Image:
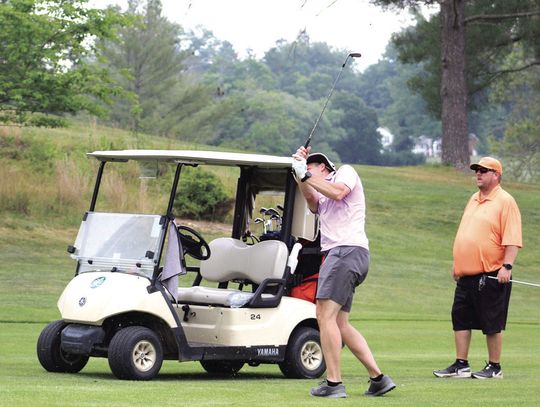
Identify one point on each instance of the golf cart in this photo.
(125, 302)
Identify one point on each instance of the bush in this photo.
(201, 195)
(42, 120)
(402, 158)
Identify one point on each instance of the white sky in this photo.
(352, 25)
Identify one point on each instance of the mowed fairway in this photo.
(402, 309)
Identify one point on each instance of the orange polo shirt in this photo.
(487, 226)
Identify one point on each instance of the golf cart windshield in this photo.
(118, 242)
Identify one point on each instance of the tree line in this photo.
(138, 70)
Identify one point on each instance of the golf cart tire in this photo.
(135, 353)
(222, 367)
(304, 357)
(50, 354)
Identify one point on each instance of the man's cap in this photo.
(321, 159)
(488, 162)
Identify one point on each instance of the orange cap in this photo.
(490, 163)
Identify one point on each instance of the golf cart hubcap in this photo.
(144, 356)
(311, 355)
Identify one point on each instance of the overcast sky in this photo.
(352, 25)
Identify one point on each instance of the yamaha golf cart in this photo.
(127, 301)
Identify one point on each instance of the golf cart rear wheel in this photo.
(304, 356)
(222, 367)
(50, 353)
(135, 353)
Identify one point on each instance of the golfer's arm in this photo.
(336, 191)
(510, 254)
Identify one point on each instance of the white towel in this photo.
(174, 265)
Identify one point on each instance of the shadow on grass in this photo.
(166, 377)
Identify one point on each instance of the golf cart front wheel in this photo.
(135, 353)
(222, 367)
(50, 353)
(304, 356)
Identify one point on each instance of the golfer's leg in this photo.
(463, 342)
(357, 344)
(327, 311)
(494, 345)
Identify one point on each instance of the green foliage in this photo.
(361, 143)
(486, 46)
(41, 120)
(402, 158)
(146, 59)
(44, 49)
(519, 143)
(201, 196)
(521, 148)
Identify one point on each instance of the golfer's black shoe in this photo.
(456, 370)
(489, 372)
(324, 390)
(381, 387)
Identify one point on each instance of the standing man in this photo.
(486, 244)
(338, 198)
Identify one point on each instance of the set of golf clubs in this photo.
(271, 219)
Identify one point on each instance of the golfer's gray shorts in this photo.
(343, 269)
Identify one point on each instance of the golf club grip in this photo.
(306, 144)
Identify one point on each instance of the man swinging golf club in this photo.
(338, 198)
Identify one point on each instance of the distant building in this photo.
(433, 147)
(473, 140)
(387, 138)
(424, 145)
(427, 146)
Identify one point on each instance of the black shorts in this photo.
(480, 305)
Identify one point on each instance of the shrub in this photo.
(41, 120)
(396, 159)
(201, 195)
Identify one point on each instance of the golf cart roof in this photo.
(195, 157)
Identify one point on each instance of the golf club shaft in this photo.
(351, 55)
(518, 282)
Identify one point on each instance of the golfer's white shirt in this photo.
(343, 222)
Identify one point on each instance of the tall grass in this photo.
(15, 191)
(72, 184)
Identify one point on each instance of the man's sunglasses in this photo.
(483, 170)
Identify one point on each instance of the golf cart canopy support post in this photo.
(96, 186)
(242, 191)
(169, 219)
(288, 205)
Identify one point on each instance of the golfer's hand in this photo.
(302, 152)
(299, 166)
(504, 275)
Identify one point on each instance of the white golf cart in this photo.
(125, 303)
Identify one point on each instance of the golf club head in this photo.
(271, 212)
(355, 55)
(263, 211)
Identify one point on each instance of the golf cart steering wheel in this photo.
(193, 243)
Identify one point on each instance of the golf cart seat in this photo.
(262, 264)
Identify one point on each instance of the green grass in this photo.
(402, 308)
(407, 350)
